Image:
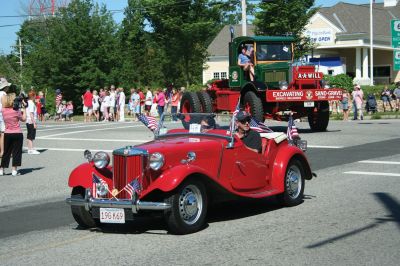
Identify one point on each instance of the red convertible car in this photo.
(182, 171)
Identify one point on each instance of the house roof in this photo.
(219, 46)
(350, 18)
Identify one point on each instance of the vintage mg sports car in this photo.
(188, 166)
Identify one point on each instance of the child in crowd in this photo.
(68, 112)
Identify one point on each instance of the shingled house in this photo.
(342, 37)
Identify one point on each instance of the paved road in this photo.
(350, 215)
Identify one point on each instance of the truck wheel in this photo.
(190, 103)
(205, 100)
(80, 214)
(294, 184)
(319, 121)
(253, 105)
(188, 208)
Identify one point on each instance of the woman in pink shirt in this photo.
(160, 97)
(13, 137)
(358, 98)
(174, 104)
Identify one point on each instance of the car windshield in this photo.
(194, 123)
(274, 52)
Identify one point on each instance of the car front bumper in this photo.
(133, 204)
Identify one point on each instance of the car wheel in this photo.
(253, 105)
(294, 184)
(190, 103)
(188, 208)
(319, 121)
(205, 100)
(80, 214)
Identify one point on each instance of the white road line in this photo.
(97, 140)
(325, 147)
(379, 162)
(68, 126)
(64, 149)
(90, 130)
(370, 173)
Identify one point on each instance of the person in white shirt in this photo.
(113, 96)
(106, 106)
(148, 102)
(31, 119)
(121, 105)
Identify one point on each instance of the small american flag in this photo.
(58, 99)
(259, 126)
(132, 186)
(292, 130)
(148, 121)
(232, 127)
(97, 180)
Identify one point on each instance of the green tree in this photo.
(184, 30)
(281, 17)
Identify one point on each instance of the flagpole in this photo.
(371, 44)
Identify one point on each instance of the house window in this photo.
(216, 75)
(223, 75)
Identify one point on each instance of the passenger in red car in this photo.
(250, 138)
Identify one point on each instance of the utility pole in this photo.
(371, 44)
(20, 60)
(244, 18)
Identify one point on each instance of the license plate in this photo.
(112, 216)
(308, 104)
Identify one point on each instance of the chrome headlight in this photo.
(101, 159)
(101, 189)
(283, 85)
(156, 161)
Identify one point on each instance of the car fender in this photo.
(283, 157)
(173, 177)
(83, 175)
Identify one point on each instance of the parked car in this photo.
(182, 171)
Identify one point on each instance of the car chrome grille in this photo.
(126, 168)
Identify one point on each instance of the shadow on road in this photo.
(388, 202)
(24, 171)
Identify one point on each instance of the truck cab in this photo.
(271, 57)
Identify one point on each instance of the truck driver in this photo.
(244, 61)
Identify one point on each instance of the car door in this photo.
(249, 169)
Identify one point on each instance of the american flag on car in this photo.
(132, 187)
(292, 130)
(96, 181)
(148, 121)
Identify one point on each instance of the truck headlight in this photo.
(101, 159)
(283, 85)
(156, 161)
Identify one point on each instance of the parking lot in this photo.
(350, 214)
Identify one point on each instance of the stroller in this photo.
(371, 105)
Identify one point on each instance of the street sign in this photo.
(396, 60)
(395, 26)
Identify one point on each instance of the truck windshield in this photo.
(274, 52)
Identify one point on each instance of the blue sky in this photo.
(14, 8)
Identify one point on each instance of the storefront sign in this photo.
(395, 26)
(321, 35)
(304, 95)
(396, 60)
(308, 76)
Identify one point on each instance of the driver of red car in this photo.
(250, 138)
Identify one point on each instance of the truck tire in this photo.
(253, 105)
(205, 101)
(190, 103)
(319, 120)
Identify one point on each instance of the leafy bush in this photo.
(340, 81)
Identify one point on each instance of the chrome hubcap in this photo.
(190, 204)
(293, 181)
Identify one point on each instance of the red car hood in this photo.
(208, 150)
